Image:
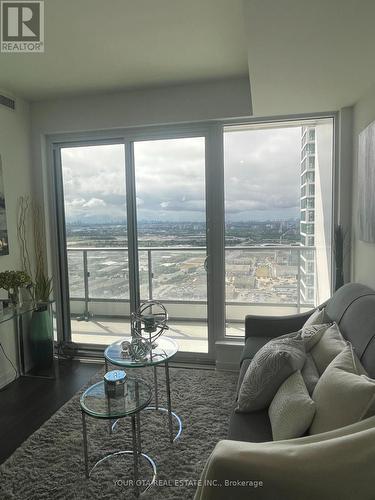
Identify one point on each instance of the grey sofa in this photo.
(352, 307)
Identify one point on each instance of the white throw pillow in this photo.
(344, 394)
(292, 410)
(310, 373)
(316, 318)
(329, 346)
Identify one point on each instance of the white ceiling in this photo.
(300, 55)
(106, 45)
(309, 55)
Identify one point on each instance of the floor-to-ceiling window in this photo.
(142, 219)
(278, 218)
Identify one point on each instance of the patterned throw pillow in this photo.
(271, 365)
(292, 410)
(313, 333)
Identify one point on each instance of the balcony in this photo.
(259, 280)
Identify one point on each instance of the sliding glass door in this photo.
(171, 229)
(133, 228)
(93, 182)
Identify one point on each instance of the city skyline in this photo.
(79, 222)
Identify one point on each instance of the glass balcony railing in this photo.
(266, 276)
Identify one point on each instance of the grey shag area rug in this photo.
(49, 465)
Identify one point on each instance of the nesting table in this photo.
(164, 349)
(97, 404)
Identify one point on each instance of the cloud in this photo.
(184, 205)
(94, 203)
(76, 202)
(262, 177)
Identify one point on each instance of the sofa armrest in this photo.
(336, 464)
(274, 326)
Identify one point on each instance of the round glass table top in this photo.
(97, 403)
(164, 349)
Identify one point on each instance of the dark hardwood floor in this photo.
(27, 403)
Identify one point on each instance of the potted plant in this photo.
(12, 282)
(30, 219)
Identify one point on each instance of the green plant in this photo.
(42, 287)
(11, 280)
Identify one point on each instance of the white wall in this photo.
(16, 159)
(323, 210)
(363, 254)
(175, 104)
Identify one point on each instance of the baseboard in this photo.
(227, 366)
(6, 378)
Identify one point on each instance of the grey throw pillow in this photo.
(271, 365)
(343, 395)
(292, 410)
(329, 346)
(310, 373)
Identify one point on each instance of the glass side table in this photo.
(164, 350)
(97, 404)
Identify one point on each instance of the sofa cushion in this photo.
(353, 308)
(271, 365)
(329, 346)
(310, 373)
(292, 410)
(343, 395)
(358, 326)
(342, 300)
(254, 427)
(252, 346)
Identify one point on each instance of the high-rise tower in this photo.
(307, 261)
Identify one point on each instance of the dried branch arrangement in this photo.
(30, 222)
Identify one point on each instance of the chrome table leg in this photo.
(156, 388)
(85, 444)
(135, 455)
(138, 419)
(169, 401)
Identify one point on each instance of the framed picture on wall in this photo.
(366, 184)
(4, 246)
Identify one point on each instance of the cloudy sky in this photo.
(262, 173)
(261, 178)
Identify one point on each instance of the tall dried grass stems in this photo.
(30, 226)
